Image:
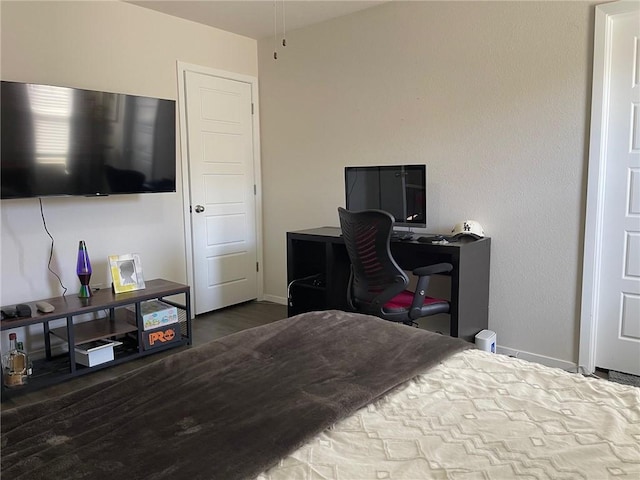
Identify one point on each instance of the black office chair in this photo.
(377, 285)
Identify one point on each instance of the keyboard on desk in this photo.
(432, 238)
(401, 236)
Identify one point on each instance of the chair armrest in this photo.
(424, 275)
(432, 269)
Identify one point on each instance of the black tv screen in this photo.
(58, 141)
(400, 190)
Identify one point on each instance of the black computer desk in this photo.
(318, 273)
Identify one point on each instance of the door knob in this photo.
(199, 209)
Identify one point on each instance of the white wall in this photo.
(111, 46)
(493, 96)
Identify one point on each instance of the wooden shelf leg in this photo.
(47, 340)
(71, 341)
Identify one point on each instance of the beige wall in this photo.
(110, 46)
(493, 96)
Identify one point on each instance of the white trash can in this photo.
(486, 340)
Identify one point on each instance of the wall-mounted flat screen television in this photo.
(60, 141)
(400, 190)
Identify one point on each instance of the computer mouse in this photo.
(44, 307)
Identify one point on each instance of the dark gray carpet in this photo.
(624, 378)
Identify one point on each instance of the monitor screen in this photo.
(400, 190)
(59, 141)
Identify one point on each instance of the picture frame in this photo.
(126, 272)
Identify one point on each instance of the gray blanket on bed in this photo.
(225, 410)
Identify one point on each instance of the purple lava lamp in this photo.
(83, 270)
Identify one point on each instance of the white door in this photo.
(222, 190)
(617, 341)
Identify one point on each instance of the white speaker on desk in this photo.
(486, 340)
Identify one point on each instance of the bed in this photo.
(331, 395)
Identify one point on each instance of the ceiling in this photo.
(255, 18)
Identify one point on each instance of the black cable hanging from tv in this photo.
(44, 223)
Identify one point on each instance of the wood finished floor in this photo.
(206, 327)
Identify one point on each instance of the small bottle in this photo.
(20, 348)
(16, 367)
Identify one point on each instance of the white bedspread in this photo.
(482, 416)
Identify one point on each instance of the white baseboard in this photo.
(275, 299)
(534, 357)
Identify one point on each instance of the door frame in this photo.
(594, 221)
(182, 68)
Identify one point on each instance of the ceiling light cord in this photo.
(284, 26)
(275, 30)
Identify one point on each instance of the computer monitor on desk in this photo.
(400, 190)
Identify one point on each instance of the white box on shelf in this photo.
(154, 314)
(94, 353)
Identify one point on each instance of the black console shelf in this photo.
(58, 368)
